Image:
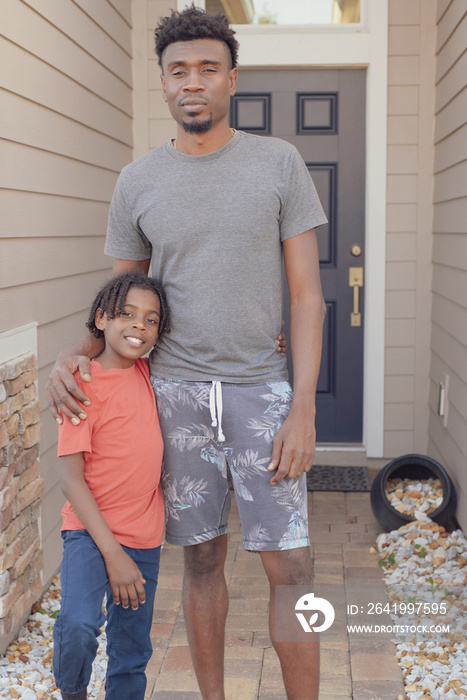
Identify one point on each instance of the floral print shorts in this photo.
(210, 428)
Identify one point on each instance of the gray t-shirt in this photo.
(213, 226)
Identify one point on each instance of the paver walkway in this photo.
(343, 529)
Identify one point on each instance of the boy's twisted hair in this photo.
(194, 23)
(111, 299)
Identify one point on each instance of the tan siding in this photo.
(410, 133)
(115, 24)
(453, 49)
(153, 124)
(67, 132)
(123, 7)
(402, 130)
(399, 416)
(452, 117)
(404, 70)
(400, 304)
(40, 82)
(450, 350)
(448, 438)
(49, 451)
(400, 361)
(450, 184)
(441, 9)
(456, 11)
(401, 246)
(451, 317)
(31, 124)
(42, 171)
(401, 189)
(33, 299)
(400, 333)
(451, 454)
(161, 127)
(457, 388)
(449, 249)
(78, 27)
(402, 218)
(160, 131)
(404, 40)
(399, 389)
(54, 215)
(451, 283)
(451, 83)
(158, 8)
(402, 159)
(50, 45)
(404, 13)
(402, 99)
(450, 218)
(400, 275)
(454, 149)
(398, 442)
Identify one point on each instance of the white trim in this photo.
(18, 341)
(349, 46)
(337, 447)
(183, 4)
(301, 46)
(375, 255)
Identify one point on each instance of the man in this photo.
(215, 209)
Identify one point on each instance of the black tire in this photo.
(412, 467)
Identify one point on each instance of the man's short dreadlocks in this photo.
(111, 299)
(194, 23)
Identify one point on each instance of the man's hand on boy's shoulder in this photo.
(63, 392)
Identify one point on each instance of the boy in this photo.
(113, 519)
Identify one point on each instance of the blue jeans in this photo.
(84, 584)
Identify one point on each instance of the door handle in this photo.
(356, 281)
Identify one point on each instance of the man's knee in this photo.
(289, 567)
(206, 558)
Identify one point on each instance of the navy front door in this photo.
(322, 112)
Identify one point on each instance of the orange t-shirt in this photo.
(122, 444)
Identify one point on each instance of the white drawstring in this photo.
(215, 406)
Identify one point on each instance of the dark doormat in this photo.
(338, 479)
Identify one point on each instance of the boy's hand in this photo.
(126, 580)
(62, 387)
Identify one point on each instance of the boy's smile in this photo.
(133, 333)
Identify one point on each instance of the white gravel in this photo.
(408, 495)
(426, 566)
(26, 668)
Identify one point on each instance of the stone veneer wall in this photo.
(21, 489)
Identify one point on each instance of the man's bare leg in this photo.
(299, 660)
(205, 605)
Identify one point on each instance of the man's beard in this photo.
(197, 127)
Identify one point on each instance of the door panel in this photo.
(322, 112)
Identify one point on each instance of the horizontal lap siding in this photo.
(67, 123)
(449, 316)
(403, 127)
(407, 272)
(161, 125)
